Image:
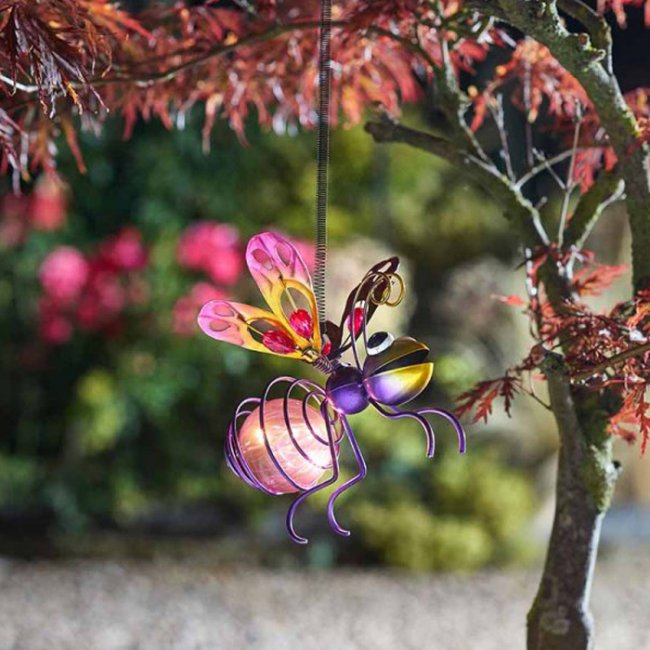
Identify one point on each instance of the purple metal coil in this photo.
(336, 426)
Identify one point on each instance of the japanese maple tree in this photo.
(67, 65)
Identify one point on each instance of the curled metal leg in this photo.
(394, 414)
(321, 486)
(336, 527)
(418, 416)
(453, 420)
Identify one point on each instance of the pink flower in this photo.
(225, 266)
(214, 249)
(102, 302)
(54, 327)
(47, 206)
(109, 292)
(124, 251)
(45, 209)
(63, 274)
(92, 293)
(187, 308)
(191, 248)
(13, 220)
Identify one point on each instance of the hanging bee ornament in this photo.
(288, 441)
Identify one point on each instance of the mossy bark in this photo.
(560, 618)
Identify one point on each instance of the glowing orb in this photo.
(301, 452)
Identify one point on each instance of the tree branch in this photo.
(594, 23)
(545, 164)
(540, 19)
(213, 52)
(454, 103)
(487, 8)
(169, 73)
(611, 362)
(516, 207)
(217, 51)
(608, 188)
(559, 388)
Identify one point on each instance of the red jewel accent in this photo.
(278, 341)
(327, 348)
(357, 318)
(302, 323)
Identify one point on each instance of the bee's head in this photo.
(395, 370)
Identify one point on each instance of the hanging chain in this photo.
(322, 157)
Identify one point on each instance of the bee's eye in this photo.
(379, 342)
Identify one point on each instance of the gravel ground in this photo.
(101, 605)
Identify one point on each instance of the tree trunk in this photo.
(560, 618)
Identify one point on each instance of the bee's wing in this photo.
(246, 326)
(283, 278)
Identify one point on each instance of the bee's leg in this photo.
(394, 414)
(332, 443)
(418, 416)
(349, 483)
(452, 419)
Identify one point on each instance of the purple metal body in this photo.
(346, 391)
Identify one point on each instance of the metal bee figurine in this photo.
(290, 443)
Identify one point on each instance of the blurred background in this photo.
(114, 495)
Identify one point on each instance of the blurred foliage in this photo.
(106, 429)
(408, 535)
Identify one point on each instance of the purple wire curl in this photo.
(334, 525)
(321, 486)
(236, 460)
(234, 457)
(418, 416)
(453, 420)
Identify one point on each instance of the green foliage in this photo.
(485, 489)
(100, 414)
(407, 535)
(19, 476)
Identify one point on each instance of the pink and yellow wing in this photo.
(291, 328)
(283, 278)
(248, 327)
